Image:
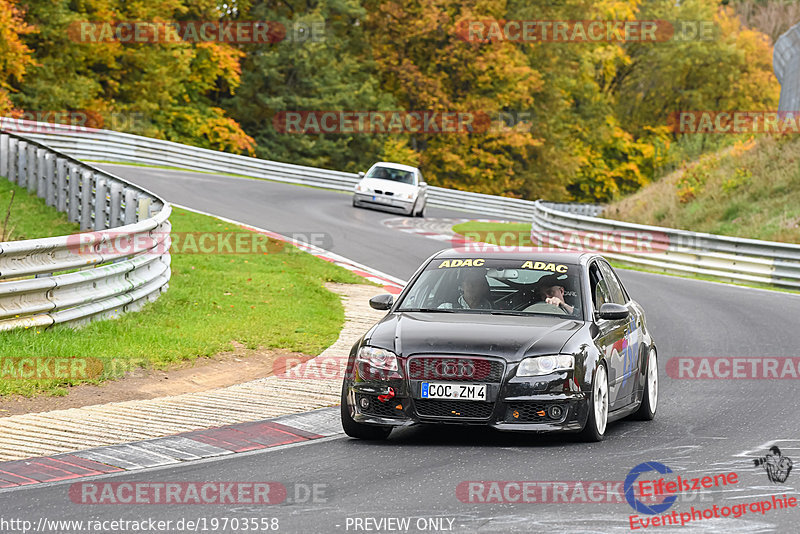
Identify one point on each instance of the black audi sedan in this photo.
(519, 341)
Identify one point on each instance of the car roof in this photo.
(399, 166)
(514, 253)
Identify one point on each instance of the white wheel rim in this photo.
(600, 400)
(652, 380)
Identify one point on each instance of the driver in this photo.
(474, 292)
(555, 295)
(550, 298)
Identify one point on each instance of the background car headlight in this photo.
(544, 365)
(378, 358)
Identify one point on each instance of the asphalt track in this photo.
(702, 426)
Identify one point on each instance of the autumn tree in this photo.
(15, 56)
(427, 64)
(322, 64)
(169, 90)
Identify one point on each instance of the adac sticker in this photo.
(469, 262)
(544, 266)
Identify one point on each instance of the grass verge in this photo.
(275, 300)
(751, 189)
(30, 217)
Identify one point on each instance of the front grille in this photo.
(376, 407)
(531, 412)
(454, 408)
(455, 368)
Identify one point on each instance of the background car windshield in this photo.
(493, 285)
(394, 175)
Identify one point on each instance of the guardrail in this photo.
(105, 145)
(674, 251)
(120, 264)
(677, 251)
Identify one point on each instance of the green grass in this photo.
(30, 216)
(748, 190)
(274, 300)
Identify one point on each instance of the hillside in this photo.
(749, 190)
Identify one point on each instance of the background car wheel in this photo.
(595, 429)
(360, 430)
(647, 409)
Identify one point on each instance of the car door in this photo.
(610, 338)
(633, 352)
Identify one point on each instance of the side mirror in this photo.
(381, 302)
(361, 174)
(613, 312)
(422, 184)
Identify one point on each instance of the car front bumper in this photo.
(383, 201)
(515, 407)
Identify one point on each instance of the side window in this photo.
(615, 290)
(598, 286)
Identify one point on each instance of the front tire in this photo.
(421, 212)
(358, 430)
(647, 409)
(595, 429)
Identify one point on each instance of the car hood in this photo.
(388, 185)
(507, 336)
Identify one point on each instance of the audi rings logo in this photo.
(455, 368)
(430, 368)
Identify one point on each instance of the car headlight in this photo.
(544, 365)
(378, 358)
(362, 188)
(406, 196)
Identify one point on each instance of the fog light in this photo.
(364, 402)
(555, 412)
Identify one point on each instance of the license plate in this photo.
(436, 390)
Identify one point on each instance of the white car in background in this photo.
(392, 186)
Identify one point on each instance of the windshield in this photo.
(479, 285)
(394, 175)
